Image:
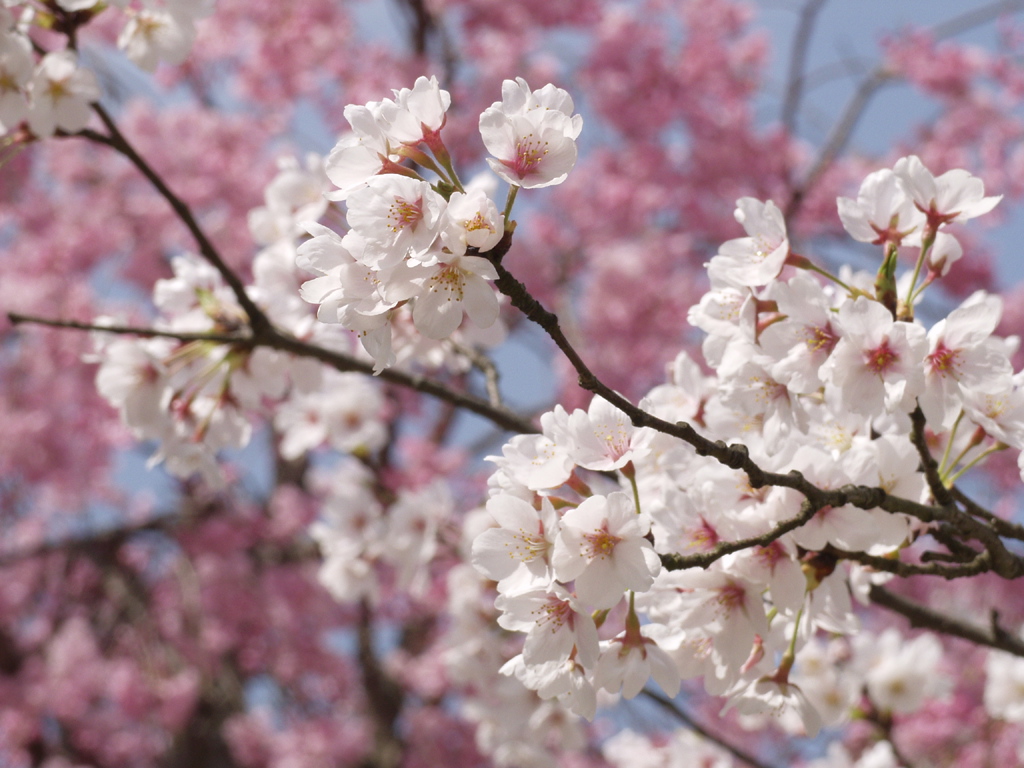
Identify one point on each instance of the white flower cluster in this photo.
(54, 93)
(196, 398)
(356, 532)
(810, 377)
(411, 251)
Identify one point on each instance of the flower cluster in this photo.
(195, 398)
(49, 95)
(54, 93)
(411, 253)
(821, 378)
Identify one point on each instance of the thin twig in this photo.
(17, 318)
(117, 141)
(486, 366)
(982, 563)
(276, 339)
(972, 19)
(673, 708)
(1000, 526)
(840, 136)
(923, 617)
(928, 462)
(997, 557)
(673, 562)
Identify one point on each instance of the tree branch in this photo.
(276, 339)
(16, 318)
(923, 617)
(871, 84)
(996, 557)
(797, 62)
(703, 560)
(116, 141)
(674, 709)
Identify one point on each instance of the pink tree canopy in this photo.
(462, 383)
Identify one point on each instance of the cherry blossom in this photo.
(877, 361)
(532, 136)
(356, 510)
(61, 92)
(883, 212)
(758, 258)
(525, 537)
(955, 195)
(602, 549)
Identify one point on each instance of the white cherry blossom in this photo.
(524, 539)
(601, 546)
(883, 211)
(531, 135)
(556, 626)
(397, 217)
(961, 356)
(955, 195)
(61, 92)
(758, 258)
(632, 658)
(451, 289)
(877, 363)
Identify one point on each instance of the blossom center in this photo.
(478, 222)
(556, 614)
(730, 597)
(529, 153)
(944, 361)
(451, 280)
(881, 358)
(404, 213)
(703, 536)
(601, 543)
(525, 546)
(820, 338)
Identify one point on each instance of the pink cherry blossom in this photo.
(602, 549)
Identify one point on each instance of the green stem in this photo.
(513, 190)
(636, 491)
(786, 664)
(987, 452)
(423, 160)
(926, 245)
(949, 444)
(825, 273)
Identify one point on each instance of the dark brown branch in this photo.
(277, 339)
(385, 698)
(676, 711)
(116, 141)
(996, 557)
(1000, 526)
(923, 617)
(504, 418)
(928, 463)
(263, 331)
(982, 563)
(17, 318)
(705, 559)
